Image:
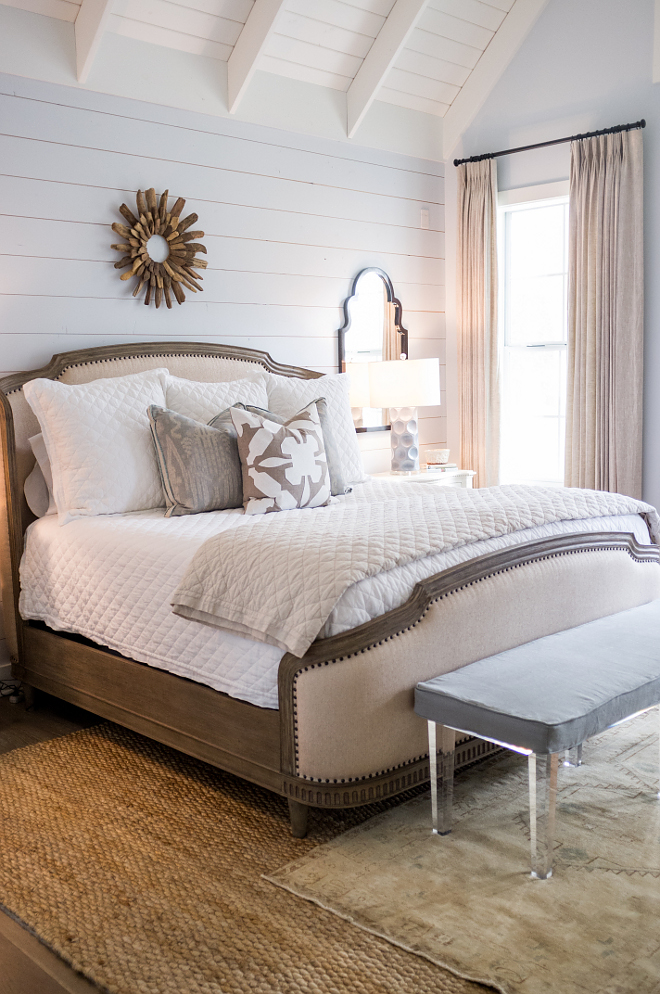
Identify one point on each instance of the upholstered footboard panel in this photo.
(351, 697)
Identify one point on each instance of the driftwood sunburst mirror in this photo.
(160, 250)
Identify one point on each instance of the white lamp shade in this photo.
(404, 383)
(358, 394)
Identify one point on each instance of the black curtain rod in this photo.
(556, 141)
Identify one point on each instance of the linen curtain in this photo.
(605, 315)
(478, 358)
(391, 337)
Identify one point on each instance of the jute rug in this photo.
(143, 870)
(466, 900)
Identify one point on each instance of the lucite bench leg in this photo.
(542, 804)
(573, 757)
(441, 766)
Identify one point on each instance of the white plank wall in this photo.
(289, 221)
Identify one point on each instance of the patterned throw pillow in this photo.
(199, 464)
(332, 450)
(284, 466)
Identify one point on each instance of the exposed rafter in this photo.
(380, 58)
(90, 24)
(505, 43)
(251, 42)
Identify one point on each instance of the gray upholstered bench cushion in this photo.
(556, 692)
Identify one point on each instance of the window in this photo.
(533, 254)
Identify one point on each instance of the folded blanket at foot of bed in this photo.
(277, 578)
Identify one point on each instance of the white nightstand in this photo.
(461, 478)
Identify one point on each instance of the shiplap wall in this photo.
(289, 221)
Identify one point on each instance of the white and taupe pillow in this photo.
(332, 451)
(284, 466)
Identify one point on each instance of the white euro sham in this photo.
(288, 394)
(98, 441)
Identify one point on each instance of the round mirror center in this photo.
(157, 248)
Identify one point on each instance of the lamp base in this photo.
(405, 439)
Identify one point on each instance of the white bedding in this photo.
(111, 579)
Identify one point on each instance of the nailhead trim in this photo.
(389, 638)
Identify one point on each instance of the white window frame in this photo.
(523, 198)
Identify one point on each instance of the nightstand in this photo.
(461, 478)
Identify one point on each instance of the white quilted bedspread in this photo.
(277, 581)
(111, 579)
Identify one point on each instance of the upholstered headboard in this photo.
(193, 360)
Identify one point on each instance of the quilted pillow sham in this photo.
(98, 440)
(287, 394)
(202, 401)
(284, 466)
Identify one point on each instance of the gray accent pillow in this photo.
(332, 454)
(199, 464)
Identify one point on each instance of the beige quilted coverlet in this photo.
(277, 578)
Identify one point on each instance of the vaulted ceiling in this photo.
(417, 54)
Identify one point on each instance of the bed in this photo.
(335, 728)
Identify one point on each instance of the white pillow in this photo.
(203, 401)
(98, 440)
(38, 487)
(288, 394)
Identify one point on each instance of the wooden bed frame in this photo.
(345, 734)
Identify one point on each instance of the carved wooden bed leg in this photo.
(298, 813)
(29, 694)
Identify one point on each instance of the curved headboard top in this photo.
(207, 362)
(203, 361)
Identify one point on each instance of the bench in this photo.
(542, 699)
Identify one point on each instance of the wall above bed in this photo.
(289, 221)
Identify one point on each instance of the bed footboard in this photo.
(349, 731)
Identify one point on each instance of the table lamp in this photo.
(403, 386)
(358, 396)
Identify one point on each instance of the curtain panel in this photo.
(478, 353)
(605, 315)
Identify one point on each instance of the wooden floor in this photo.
(26, 966)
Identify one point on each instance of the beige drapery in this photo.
(478, 355)
(605, 315)
(391, 337)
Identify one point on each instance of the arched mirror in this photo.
(372, 332)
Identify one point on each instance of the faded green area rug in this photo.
(467, 902)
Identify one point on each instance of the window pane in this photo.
(536, 311)
(533, 451)
(534, 378)
(537, 241)
(534, 275)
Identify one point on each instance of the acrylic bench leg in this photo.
(573, 757)
(441, 812)
(542, 804)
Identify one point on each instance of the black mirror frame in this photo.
(403, 332)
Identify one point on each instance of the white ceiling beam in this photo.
(90, 24)
(252, 40)
(503, 46)
(380, 58)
